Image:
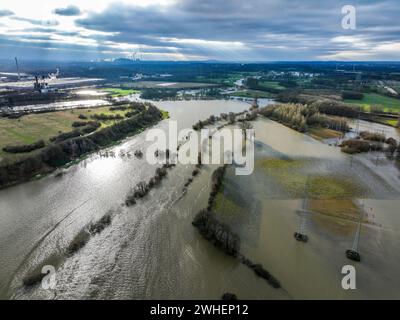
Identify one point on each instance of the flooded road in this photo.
(152, 251)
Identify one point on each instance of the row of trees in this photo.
(292, 115)
(323, 105)
(300, 117)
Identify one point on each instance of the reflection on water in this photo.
(388, 131)
(64, 105)
(151, 250)
(91, 93)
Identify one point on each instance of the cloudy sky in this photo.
(234, 30)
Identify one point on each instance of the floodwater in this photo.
(313, 270)
(388, 131)
(89, 92)
(151, 250)
(62, 105)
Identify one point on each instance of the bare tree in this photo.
(245, 125)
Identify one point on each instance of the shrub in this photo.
(24, 148)
(336, 108)
(66, 135)
(355, 146)
(130, 114)
(372, 136)
(78, 124)
(106, 117)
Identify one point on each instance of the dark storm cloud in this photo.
(5, 13)
(308, 25)
(239, 30)
(68, 11)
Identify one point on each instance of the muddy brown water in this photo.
(151, 250)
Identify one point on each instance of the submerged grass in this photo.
(226, 205)
(297, 183)
(320, 133)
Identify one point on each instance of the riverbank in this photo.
(73, 147)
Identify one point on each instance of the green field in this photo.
(253, 94)
(42, 126)
(272, 85)
(387, 104)
(118, 92)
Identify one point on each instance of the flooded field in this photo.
(151, 250)
(263, 210)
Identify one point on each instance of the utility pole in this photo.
(353, 253)
(300, 234)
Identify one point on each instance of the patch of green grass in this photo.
(391, 122)
(288, 174)
(165, 114)
(253, 93)
(387, 104)
(271, 84)
(118, 92)
(33, 127)
(332, 187)
(386, 121)
(280, 164)
(226, 205)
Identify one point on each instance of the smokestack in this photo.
(16, 62)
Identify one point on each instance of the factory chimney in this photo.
(16, 62)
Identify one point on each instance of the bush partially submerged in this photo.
(138, 154)
(372, 136)
(217, 233)
(78, 242)
(358, 146)
(84, 235)
(106, 117)
(355, 146)
(100, 225)
(143, 188)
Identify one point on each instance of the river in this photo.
(152, 251)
